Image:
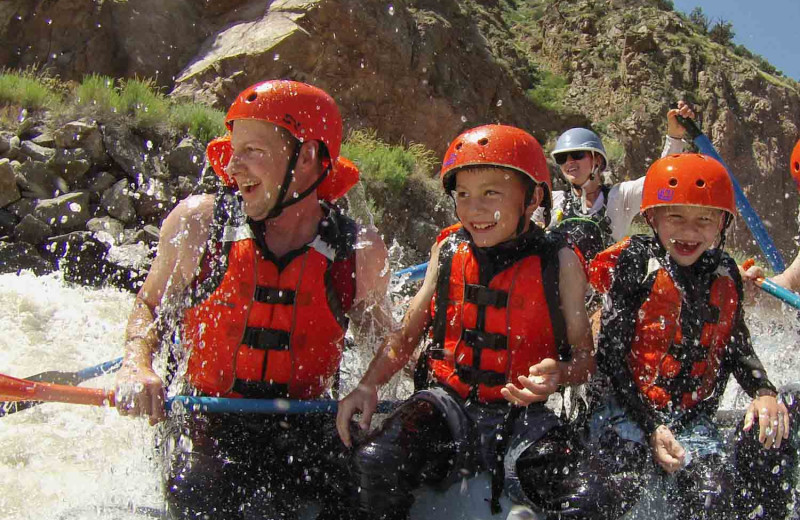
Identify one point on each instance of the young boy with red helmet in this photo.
(503, 302)
(672, 333)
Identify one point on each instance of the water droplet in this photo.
(74, 207)
(391, 10)
(276, 57)
(497, 216)
(149, 144)
(499, 102)
(463, 119)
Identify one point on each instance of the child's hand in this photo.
(773, 420)
(674, 128)
(542, 380)
(667, 451)
(751, 272)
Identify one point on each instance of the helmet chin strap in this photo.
(594, 174)
(282, 203)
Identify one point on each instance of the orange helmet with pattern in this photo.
(688, 179)
(307, 112)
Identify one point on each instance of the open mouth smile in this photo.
(683, 247)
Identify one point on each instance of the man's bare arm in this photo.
(183, 237)
(371, 313)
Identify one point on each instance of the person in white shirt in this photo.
(593, 214)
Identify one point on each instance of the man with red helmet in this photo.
(263, 278)
(672, 333)
(503, 302)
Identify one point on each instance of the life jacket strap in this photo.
(478, 339)
(481, 295)
(274, 296)
(475, 376)
(266, 339)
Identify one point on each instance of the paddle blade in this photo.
(12, 388)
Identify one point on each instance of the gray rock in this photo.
(106, 229)
(126, 150)
(98, 183)
(17, 256)
(36, 178)
(70, 164)
(8, 184)
(8, 222)
(22, 207)
(13, 152)
(186, 158)
(5, 142)
(35, 152)
(154, 198)
(44, 139)
(66, 213)
(32, 230)
(85, 134)
(118, 201)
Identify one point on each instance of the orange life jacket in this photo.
(270, 327)
(487, 334)
(667, 367)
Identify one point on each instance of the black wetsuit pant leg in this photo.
(567, 479)
(413, 446)
(765, 479)
(229, 466)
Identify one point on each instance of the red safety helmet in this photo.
(307, 112)
(497, 145)
(794, 164)
(688, 180)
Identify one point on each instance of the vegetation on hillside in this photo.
(135, 102)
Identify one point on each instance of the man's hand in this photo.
(674, 128)
(363, 399)
(667, 451)
(773, 420)
(543, 379)
(139, 391)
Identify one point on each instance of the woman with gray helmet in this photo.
(594, 214)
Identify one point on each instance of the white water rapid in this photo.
(71, 462)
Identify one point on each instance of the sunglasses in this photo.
(561, 158)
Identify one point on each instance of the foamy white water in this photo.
(61, 461)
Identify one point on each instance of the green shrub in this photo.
(385, 163)
(550, 92)
(99, 92)
(201, 121)
(140, 99)
(28, 90)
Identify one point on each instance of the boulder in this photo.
(18, 256)
(38, 180)
(32, 230)
(118, 201)
(66, 213)
(35, 152)
(8, 184)
(85, 134)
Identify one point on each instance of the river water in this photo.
(60, 461)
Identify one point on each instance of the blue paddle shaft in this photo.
(260, 406)
(783, 294)
(415, 272)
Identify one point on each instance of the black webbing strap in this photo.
(260, 389)
(550, 279)
(474, 376)
(274, 296)
(478, 339)
(266, 339)
(442, 299)
(480, 295)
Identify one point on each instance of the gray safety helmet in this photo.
(576, 139)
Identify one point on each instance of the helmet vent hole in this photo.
(483, 141)
(700, 183)
(673, 182)
(459, 145)
(796, 166)
(252, 97)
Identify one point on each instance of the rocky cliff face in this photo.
(422, 71)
